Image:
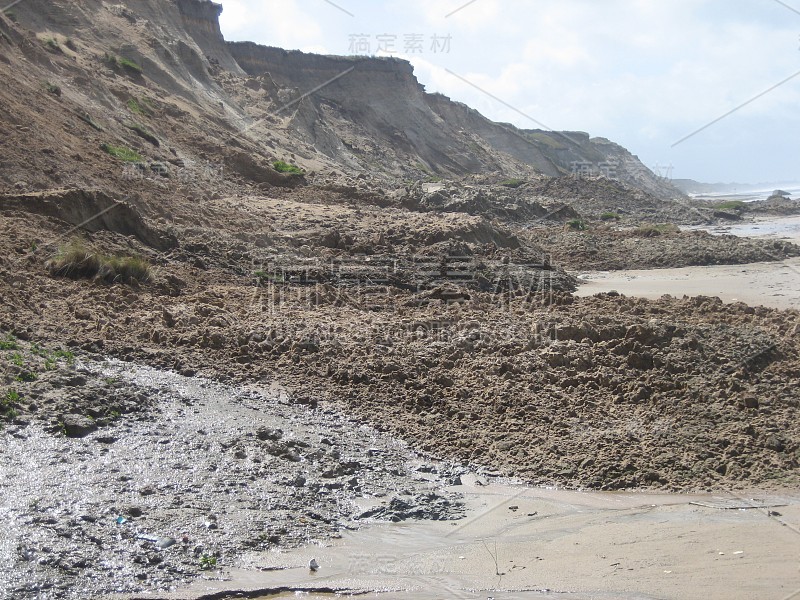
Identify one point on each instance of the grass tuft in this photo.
(52, 45)
(284, 167)
(610, 216)
(9, 343)
(577, 225)
(139, 108)
(127, 63)
(120, 62)
(512, 183)
(75, 261)
(121, 153)
(731, 205)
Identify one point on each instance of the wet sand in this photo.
(776, 285)
(520, 542)
(772, 284)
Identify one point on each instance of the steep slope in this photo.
(372, 113)
(255, 104)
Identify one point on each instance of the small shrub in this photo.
(609, 216)
(577, 225)
(273, 277)
(9, 343)
(120, 62)
(52, 45)
(7, 402)
(16, 359)
(139, 108)
(208, 562)
(284, 167)
(27, 376)
(512, 183)
(63, 354)
(121, 153)
(11, 15)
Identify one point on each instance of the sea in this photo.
(748, 195)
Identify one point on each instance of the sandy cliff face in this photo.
(356, 115)
(375, 107)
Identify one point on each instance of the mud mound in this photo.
(91, 211)
(592, 197)
(654, 246)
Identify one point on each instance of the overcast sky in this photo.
(643, 73)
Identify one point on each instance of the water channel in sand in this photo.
(772, 284)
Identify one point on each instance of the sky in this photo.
(700, 89)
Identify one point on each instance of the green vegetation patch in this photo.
(731, 205)
(9, 343)
(284, 167)
(512, 183)
(120, 62)
(547, 140)
(121, 153)
(577, 225)
(7, 403)
(75, 261)
(610, 216)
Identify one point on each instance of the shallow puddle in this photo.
(534, 543)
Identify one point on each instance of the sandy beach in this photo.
(772, 284)
(519, 542)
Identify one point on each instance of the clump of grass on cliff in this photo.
(120, 62)
(121, 153)
(284, 167)
(139, 108)
(76, 261)
(577, 225)
(731, 205)
(512, 183)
